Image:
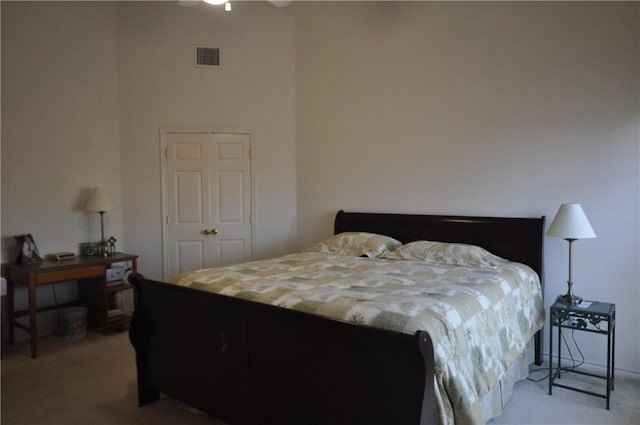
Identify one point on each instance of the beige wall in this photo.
(253, 89)
(86, 87)
(60, 128)
(60, 122)
(485, 109)
(469, 108)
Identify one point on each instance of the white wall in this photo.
(253, 89)
(485, 109)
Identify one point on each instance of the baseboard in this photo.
(594, 367)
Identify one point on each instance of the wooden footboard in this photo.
(250, 363)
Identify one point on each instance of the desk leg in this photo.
(33, 317)
(551, 356)
(10, 312)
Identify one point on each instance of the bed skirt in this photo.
(495, 401)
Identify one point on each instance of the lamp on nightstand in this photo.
(570, 224)
(99, 201)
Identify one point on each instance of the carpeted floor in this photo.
(532, 404)
(91, 380)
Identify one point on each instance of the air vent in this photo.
(207, 56)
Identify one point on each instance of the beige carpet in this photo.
(91, 380)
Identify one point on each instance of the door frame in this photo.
(164, 131)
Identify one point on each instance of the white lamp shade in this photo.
(99, 200)
(571, 222)
(216, 2)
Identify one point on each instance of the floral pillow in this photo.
(356, 244)
(456, 254)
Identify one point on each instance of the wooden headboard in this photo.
(516, 239)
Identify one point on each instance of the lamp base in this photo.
(569, 299)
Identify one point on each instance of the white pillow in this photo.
(457, 254)
(356, 244)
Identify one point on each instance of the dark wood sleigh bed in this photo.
(251, 363)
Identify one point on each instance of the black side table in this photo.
(597, 317)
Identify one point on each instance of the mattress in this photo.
(480, 319)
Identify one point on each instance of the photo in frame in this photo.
(27, 250)
(89, 249)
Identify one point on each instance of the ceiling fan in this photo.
(227, 3)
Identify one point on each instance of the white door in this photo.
(208, 200)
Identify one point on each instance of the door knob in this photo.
(210, 232)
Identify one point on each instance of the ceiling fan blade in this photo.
(280, 3)
(276, 3)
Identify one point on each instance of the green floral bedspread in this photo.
(479, 319)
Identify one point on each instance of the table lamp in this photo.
(99, 201)
(570, 224)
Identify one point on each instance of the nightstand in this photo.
(588, 316)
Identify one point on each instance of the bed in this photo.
(247, 362)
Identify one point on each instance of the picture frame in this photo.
(27, 250)
(89, 249)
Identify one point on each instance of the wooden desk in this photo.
(89, 270)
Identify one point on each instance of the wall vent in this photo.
(207, 56)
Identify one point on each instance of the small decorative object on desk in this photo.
(27, 250)
(62, 255)
(89, 248)
(111, 245)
